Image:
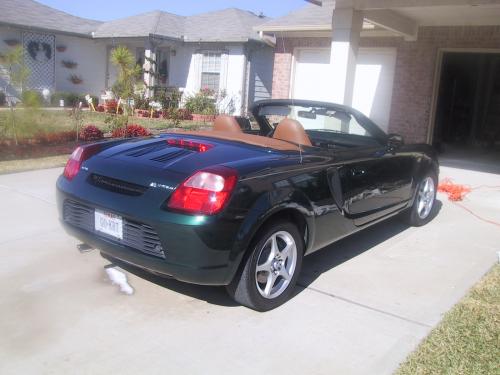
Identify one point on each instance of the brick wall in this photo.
(414, 75)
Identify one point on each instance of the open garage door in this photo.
(373, 84)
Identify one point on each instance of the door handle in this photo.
(357, 172)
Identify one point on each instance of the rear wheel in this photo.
(271, 271)
(422, 210)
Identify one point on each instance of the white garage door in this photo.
(373, 84)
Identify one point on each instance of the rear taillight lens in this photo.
(78, 156)
(206, 192)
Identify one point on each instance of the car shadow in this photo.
(215, 295)
(313, 265)
(331, 256)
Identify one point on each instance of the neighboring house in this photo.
(429, 70)
(218, 50)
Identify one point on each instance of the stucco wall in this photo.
(90, 55)
(414, 75)
(185, 69)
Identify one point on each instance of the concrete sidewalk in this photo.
(363, 304)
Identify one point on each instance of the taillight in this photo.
(189, 144)
(78, 156)
(206, 192)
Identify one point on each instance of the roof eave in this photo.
(45, 29)
(294, 28)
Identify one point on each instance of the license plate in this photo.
(108, 223)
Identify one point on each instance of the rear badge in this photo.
(161, 186)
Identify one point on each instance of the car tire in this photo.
(270, 272)
(423, 208)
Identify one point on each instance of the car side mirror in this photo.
(395, 141)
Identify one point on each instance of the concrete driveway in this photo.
(363, 304)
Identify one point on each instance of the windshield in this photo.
(315, 119)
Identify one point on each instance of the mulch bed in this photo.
(35, 151)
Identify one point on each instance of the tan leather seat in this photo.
(292, 131)
(225, 123)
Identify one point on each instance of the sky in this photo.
(104, 10)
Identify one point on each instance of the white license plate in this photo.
(108, 223)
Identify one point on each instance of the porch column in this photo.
(346, 26)
(149, 68)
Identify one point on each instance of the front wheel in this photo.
(422, 210)
(271, 271)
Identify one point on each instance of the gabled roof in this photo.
(228, 25)
(224, 25)
(30, 14)
(143, 25)
(310, 17)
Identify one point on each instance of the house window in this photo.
(210, 71)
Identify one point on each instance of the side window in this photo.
(210, 71)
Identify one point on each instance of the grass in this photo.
(467, 341)
(12, 166)
(30, 122)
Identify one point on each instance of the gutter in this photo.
(42, 29)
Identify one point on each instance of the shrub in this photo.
(177, 113)
(132, 130)
(91, 133)
(202, 103)
(32, 99)
(2, 99)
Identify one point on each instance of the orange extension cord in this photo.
(458, 192)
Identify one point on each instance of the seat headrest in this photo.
(292, 131)
(225, 123)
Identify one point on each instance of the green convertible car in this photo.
(242, 204)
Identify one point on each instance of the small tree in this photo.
(125, 86)
(18, 73)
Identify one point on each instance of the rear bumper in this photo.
(196, 250)
(215, 275)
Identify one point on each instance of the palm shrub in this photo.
(125, 86)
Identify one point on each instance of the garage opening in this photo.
(467, 122)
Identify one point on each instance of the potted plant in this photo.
(75, 79)
(69, 64)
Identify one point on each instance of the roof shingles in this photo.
(224, 25)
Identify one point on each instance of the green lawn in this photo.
(467, 341)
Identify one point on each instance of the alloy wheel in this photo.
(425, 199)
(276, 264)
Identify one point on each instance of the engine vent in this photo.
(116, 186)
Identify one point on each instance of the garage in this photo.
(373, 84)
(467, 116)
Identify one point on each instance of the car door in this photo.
(375, 179)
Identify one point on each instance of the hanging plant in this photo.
(12, 42)
(61, 48)
(75, 79)
(69, 64)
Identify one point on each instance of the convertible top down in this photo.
(242, 204)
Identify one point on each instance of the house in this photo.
(219, 50)
(429, 70)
